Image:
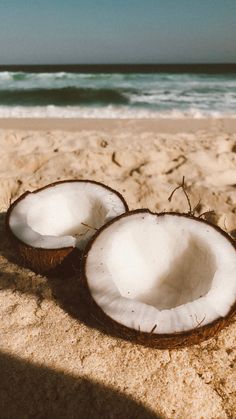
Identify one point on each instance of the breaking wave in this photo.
(116, 95)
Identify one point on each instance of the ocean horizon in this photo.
(118, 91)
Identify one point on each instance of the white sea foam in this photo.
(108, 112)
(5, 75)
(116, 95)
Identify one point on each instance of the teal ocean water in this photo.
(117, 94)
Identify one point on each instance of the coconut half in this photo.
(55, 222)
(164, 280)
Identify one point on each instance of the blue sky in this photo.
(117, 31)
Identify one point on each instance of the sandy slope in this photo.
(54, 361)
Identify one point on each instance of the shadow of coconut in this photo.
(28, 390)
(73, 298)
(233, 234)
(66, 289)
(64, 282)
(5, 246)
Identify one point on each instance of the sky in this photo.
(117, 31)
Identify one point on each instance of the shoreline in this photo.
(172, 126)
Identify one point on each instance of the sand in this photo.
(56, 362)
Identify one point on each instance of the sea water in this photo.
(65, 94)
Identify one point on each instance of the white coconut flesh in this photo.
(64, 215)
(162, 274)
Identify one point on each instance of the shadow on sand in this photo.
(66, 290)
(28, 390)
(31, 391)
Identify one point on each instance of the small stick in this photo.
(82, 234)
(154, 327)
(206, 212)
(87, 225)
(196, 206)
(137, 169)
(182, 186)
(178, 165)
(200, 321)
(113, 159)
(191, 210)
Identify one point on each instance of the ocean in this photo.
(118, 92)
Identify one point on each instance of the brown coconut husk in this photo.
(63, 261)
(151, 339)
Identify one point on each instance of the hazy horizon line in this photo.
(125, 67)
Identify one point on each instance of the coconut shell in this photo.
(154, 340)
(44, 261)
(63, 261)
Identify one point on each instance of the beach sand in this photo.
(55, 362)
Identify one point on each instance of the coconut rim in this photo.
(21, 197)
(147, 335)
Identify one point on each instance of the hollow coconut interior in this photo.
(63, 215)
(162, 274)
